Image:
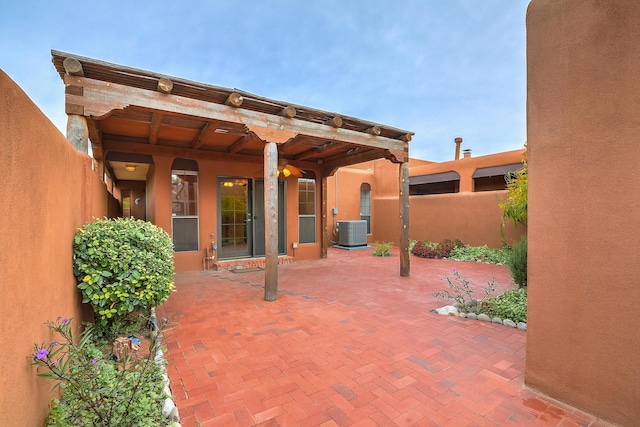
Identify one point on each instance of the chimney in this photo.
(458, 141)
(467, 153)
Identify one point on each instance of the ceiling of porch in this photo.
(144, 113)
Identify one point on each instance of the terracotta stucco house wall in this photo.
(472, 216)
(48, 191)
(583, 122)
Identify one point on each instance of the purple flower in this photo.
(42, 354)
(164, 319)
(65, 320)
(54, 363)
(454, 271)
(53, 344)
(93, 360)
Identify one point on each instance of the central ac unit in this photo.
(353, 233)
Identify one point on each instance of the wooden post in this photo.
(325, 239)
(271, 221)
(405, 267)
(78, 133)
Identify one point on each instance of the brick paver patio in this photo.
(348, 343)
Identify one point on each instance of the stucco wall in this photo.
(472, 217)
(48, 191)
(583, 122)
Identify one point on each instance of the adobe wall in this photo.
(473, 218)
(583, 122)
(48, 191)
(159, 206)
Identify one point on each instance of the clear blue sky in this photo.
(440, 68)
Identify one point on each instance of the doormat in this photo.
(246, 270)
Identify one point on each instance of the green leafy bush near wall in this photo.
(122, 266)
(508, 305)
(517, 262)
(480, 253)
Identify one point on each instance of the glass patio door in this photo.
(235, 218)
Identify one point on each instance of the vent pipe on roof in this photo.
(458, 141)
(467, 152)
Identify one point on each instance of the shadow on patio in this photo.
(348, 342)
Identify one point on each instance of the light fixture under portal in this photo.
(130, 168)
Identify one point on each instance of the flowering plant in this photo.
(96, 390)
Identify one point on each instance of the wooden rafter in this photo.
(241, 143)
(154, 127)
(207, 129)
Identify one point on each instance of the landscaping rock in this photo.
(472, 316)
(446, 310)
(496, 320)
(174, 416)
(508, 322)
(484, 317)
(463, 315)
(522, 326)
(168, 407)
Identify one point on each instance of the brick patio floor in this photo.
(348, 343)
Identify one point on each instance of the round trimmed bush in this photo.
(122, 266)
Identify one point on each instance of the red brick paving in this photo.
(348, 343)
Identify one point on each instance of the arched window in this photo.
(184, 205)
(365, 205)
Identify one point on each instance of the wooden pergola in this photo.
(126, 110)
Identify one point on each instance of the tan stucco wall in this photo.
(583, 122)
(48, 191)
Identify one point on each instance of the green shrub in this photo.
(382, 249)
(122, 266)
(479, 253)
(517, 262)
(508, 305)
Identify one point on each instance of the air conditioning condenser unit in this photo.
(353, 233)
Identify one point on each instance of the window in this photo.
(365, 205)
(306, 210)
(184, 205)
(494, 178)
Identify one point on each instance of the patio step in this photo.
(232, 264)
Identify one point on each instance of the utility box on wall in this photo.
(353, 233)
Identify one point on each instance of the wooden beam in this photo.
(207, 129)
(96, 139)
(288, 111)
(325, 238)
(234, 99)
(406, 137)
(272, 135)
(374, 130)
(271, 221)
(111, 144)
(363, 156)
(291, 143)
(73, 67)
(78, 133)
(241, 143)
(154, 127)
(315, 151)
(405, 262)
(100, 98)
(336, 122)
(165, 85)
